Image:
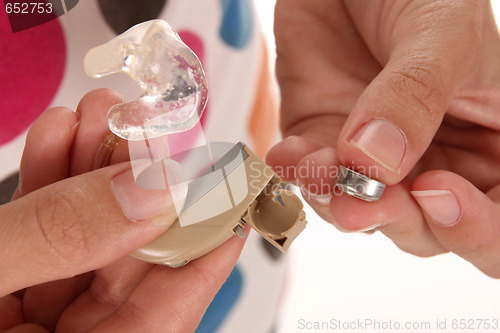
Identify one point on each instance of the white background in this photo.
(347, 277)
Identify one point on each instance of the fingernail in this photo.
(164, 174)
(441, 205)
(382, 141)
(140, 203)
(78, 116)
(371, 227)
(75, 126)
(322, 199)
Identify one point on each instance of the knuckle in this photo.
(206, 279)
(105, 291)
(133, 316)
(56, 215)
(420, 84)
(424, 252)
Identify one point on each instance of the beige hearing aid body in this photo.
(275, 213)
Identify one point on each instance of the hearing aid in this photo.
(232, 186)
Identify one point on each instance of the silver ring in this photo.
(358, 185)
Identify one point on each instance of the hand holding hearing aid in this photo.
(406, 93)
(69, 232)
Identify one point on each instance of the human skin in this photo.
(410, 91)
(69, 237)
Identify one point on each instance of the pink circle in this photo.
(31, 70)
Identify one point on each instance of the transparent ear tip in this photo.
(171, 77)
(146, 118)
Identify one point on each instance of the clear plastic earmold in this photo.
(171, 77)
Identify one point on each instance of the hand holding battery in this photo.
(393, 92)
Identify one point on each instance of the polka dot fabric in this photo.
(42, 67)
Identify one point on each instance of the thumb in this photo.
(79, 224)
(398, 114)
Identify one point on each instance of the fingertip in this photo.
(316, 172)
(53, 128)
(376, 148)
(445, 197)
(396, 210)
(463, 218)
(448, 199)
(353, 214)
(285, 155)
(434, 191)
(441, 206)
(54, 121)
(93, 128)
(47, 148)
(93, 109)
(101, 96)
